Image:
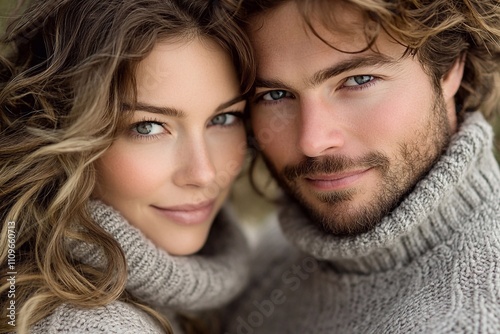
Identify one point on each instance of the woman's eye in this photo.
(148, 128)
(358, 80)
(226, 119)
(275, 95)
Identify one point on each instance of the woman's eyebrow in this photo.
(167, 111)
(229, 103)
(173, 112)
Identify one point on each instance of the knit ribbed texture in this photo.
(116, 318)
(170, 283)
(431, 266)
(195, 282)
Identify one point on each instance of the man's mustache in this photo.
(333, 164)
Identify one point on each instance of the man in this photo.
(365, 112)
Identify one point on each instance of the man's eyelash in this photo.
(362, 86)
(258, 98)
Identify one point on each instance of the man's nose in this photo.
(320, 128)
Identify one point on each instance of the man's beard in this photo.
(334, 212)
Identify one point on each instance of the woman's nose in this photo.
(195, 165)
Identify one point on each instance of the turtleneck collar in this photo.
(463, 178)
(207, 279)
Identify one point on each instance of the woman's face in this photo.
(171, 168)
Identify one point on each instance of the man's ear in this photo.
(451, 80)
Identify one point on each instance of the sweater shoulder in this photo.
(117, 317)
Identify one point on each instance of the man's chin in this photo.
(341, 218)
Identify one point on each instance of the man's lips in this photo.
(188, 214)
(335, 181)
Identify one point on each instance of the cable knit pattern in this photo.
(431, 266)
(171, 283)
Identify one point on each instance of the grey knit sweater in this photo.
(168, 283)
(431, 266)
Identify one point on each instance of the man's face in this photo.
(346, 135)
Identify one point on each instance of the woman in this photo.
(121, 134)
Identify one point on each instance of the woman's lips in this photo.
(188, 214)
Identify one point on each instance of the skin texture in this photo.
(346, 135)
(170, 169)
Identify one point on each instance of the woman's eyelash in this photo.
(137, 135)
(239, 115)
(149, 120)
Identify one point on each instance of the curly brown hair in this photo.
(438, 32)
(65, 68)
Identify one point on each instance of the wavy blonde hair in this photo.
(65, 68)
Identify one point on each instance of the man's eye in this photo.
(148, 128)
(275, 95)
(358, 80)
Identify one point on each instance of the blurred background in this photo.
(252, 208)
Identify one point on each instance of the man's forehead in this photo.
(285, 24)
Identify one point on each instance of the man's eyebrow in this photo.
(263, 83)
(325, 74)
(155, 110)
(349, 65)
